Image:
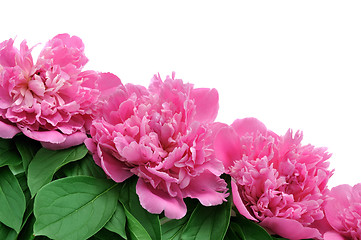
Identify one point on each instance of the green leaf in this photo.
(135, 229)
(208, 222)
(104, 234)
(12, 200)
(28, 211)
(7, 233)
(8, 153)
(74, 207)
(231, 234)
(234, 231)
(46, 162)
(27, 149)
(130, 201)
(172, 228)
(16, 169)
(27, 232)
(117, 222)
(21, 177)
(85, 166)
(41, 238)
(29, 201)
(249, 229)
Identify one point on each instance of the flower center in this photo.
(28, 89)
(42, 85)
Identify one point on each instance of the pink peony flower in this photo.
(51, 101)
(343, 212)
(275, 180)
(164, 135)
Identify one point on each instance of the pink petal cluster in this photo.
(164, 135)
(53, 100)
(343, 212)
(275, 180)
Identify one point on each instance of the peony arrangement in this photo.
(276, 181)
(52, 101)
(84, 156)
(161, 135)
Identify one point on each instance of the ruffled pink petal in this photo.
(108, 83)
(136, 153)
(249, 125)
(322, 225)
(37, 86)
(206, 102)
(289, 228)
(6, 99)
(208, 188)
(7, 53)
(71, 140)
(342, 194)
(44, 136)
(7, 130)
(215, 128)
(239, 203)
(113, 167)
(73, 41)
(156, 201)
(227, 146)
(65, 51)
(333, 235)
(25, 60)
(92, 147)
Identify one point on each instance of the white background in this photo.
(291, 64)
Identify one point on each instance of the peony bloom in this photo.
(51, 101)
(275, 180)
(164, 135)
(343, 212)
